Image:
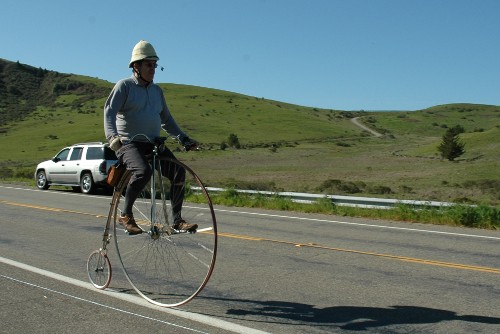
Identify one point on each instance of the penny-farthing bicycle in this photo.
(165, 266)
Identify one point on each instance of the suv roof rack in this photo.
(90, 143)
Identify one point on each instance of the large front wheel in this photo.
(164, 266)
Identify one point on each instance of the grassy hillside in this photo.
(284, 146)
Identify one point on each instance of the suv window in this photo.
(99, 153)
(63, 155)
(94, 153)
(76, 154)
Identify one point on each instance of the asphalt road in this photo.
(276, 272)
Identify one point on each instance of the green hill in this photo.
(284, 146)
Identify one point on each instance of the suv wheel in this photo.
(41, 180)
(87, 183)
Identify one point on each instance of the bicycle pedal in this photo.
(174, 231)
(128, 233)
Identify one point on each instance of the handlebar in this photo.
(158, 141)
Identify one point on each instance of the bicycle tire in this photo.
(167, 269)
(99, 269)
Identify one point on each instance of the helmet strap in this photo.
(138, 73)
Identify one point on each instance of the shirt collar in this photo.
(136, 81)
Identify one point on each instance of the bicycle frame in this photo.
(156, 166)
(166, 266)
(106, 237)
(153, 191)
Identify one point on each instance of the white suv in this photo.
(82, 166)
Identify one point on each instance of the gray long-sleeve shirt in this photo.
(134, 109)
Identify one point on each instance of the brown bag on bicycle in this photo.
(115, 173)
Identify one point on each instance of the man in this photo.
(137, 106)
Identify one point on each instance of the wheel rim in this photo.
(41, 180)
(169, 269)
(86, 183)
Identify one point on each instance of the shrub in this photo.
(350, 188)
(329, 185)
(24, 173)
(457, 129)
(481, 216)
(406, 189)
(338, 185)
(6, 173)
(470, 217)
(233, 141)
(381, 190)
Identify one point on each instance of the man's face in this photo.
(147, 69)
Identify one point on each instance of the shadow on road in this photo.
(355, 318)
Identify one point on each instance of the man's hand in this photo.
(188, 143)
(115, 143)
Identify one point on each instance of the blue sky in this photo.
(348, 55)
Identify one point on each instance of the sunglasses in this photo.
(150, 64)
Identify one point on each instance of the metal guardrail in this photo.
(365, 202)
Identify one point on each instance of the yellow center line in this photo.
(238, 236)
(46, 208)
(296, 244)
(388, 256)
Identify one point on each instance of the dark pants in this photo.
(133, 155)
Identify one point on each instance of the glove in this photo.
(188, 143)
(115, 144)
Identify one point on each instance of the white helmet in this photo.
(143, 50)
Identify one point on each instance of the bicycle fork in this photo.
(98, 264)
(155, 229)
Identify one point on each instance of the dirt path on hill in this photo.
(364, 127)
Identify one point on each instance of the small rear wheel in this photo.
(99, 269)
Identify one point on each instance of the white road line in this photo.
(358, 224)
(322, 220)
(100, 304)
(203, 319)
